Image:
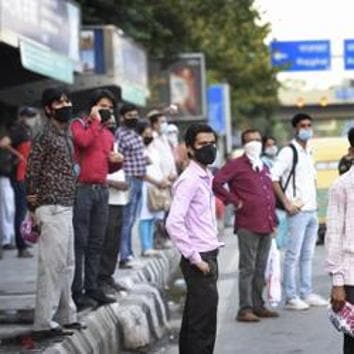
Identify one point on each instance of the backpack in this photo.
(279, 204)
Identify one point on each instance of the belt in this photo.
(212, 253)
(92, 186)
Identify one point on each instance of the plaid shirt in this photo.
(131, 145)
(340, 230)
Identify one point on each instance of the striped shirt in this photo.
(131, 145)
(340, 230)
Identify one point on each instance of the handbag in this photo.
(158, 199)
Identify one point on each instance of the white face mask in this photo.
(164, 128)
(253, 149)
(271, 150)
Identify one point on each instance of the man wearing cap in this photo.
(294, 169)
(51, 182)
(21, 134)
(93, 143)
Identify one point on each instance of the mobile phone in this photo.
(105, 114)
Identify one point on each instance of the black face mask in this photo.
(205, 155)
(131, 123)
(148, 140)
(64, 114)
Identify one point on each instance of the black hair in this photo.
(299, 117)
(194, 129)
(52, 94)
(98, 94)
(128, 108)
(351, 136)
(155, 117)
(141, 126)
(248, 131)
(265, 139)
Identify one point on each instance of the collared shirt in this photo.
(167, 160)
(340, 230)
(131, 145)
(191, 222)
(50, 167)
(255, 191)
(305, 175)
(93, 143)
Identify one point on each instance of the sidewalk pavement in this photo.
(18, 285)
(305, 332)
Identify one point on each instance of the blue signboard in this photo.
(349, 54)
(301, 55)
(216, 108)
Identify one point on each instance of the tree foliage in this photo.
(226, 31)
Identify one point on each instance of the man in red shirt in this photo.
(94, 153)
(251, 192)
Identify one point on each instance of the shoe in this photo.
(25, 253)
(315, 300)
(52, 332)
(296, 304)
(126, 265)
(8, 246)
(83, 302)
(130, 264)
(265, 313)
(75, 325)
(149, 253)
(247, 316)
(99, 296)
(116, 286)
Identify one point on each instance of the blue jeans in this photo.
(299, 250)
(146, 232)
(20, 213)
(130, 214)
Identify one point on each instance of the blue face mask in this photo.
(305, 134)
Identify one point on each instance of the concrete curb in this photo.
(135, 321)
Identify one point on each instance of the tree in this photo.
(226, 31)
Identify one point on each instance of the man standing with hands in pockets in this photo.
(191, 225)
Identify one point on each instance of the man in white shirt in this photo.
(118, 198)
(294, 182)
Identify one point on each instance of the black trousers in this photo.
(90, 223)
(111, 245)
(21, 210)
(198, 330)
(348, 347)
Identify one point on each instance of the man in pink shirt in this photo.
(192, 226)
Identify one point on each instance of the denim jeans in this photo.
(20, 212)
(130, 214)
(146, 232)
(90, 223)
(299, 251)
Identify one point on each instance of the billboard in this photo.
(92, 51)
(182, 82)
(301, 55)
(54, 24)
(130, 66)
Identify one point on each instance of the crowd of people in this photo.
(85, 182)
(274, 195)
